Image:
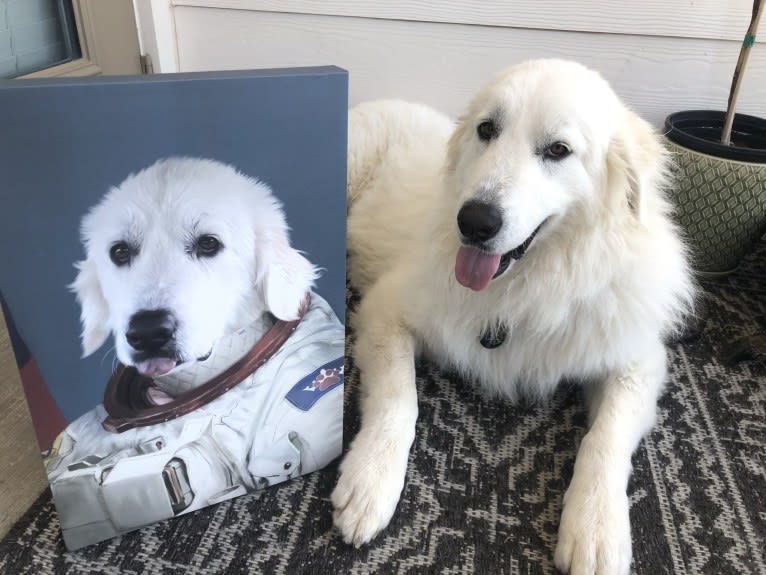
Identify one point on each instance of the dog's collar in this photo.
(493, 337)
(125, 398)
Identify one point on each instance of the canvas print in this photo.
(183, 301)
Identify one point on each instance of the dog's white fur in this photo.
(604, 281)
(161, 211)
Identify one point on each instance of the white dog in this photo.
(196, 244)
(190, 268)
(529, 244)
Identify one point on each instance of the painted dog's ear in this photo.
(636, 162)
(94, 310)
(289, 276)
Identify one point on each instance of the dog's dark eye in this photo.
(557, 151)
(121, 253)
(207, 246)
(487, 130)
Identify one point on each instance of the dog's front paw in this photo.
(368, 490)
(594, 535)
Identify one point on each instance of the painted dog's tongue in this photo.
(155, 366)
(474, 268)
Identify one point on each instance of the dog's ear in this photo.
(94, 310)
(636, 162)
(289, 276)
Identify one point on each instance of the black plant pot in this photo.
(719, 191)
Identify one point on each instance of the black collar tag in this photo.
(493, 338)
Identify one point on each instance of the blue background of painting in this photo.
(64, 142)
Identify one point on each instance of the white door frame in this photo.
(157, 33)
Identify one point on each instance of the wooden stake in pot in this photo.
(744, 53)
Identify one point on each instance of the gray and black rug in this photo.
(485, 482)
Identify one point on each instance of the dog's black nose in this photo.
(479, 221)
(150, 330)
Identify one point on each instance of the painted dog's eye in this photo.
(487, 130)
(206, 246)
(121, 253)
(557, 151)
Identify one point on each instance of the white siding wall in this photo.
(660, 55)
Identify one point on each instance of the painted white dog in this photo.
(529, 244)
(190, 268)
(196, 239)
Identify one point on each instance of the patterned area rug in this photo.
(485, 482)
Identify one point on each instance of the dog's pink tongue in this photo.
(474, 268)
(155, 366)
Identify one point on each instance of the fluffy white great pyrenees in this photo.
(529, 244)
(180, 254)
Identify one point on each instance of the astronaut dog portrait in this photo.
(229, 367)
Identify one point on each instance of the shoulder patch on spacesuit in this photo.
(311, 388)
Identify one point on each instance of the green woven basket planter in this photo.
(719, 191)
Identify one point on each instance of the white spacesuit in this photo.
(283, 420)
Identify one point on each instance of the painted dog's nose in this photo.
(150, 330)
(479, 221)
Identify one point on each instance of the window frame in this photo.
(87, 63)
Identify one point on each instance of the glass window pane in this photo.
(36, 34)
